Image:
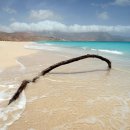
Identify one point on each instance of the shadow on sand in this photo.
(79, 72)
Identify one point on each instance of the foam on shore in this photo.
(112, 52)
(59, 48)
(9, 114)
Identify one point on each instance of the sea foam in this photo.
(6, 116)
(108, 51)
(112, 52)
(53, 47)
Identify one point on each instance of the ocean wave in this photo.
(59, 48)
(49, 44)
(109, 51)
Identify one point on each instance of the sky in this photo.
(111, 16)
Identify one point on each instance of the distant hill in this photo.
(48, 35)
(86, 36)
(24, 36)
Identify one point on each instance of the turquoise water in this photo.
(117, 52)
(113, 47)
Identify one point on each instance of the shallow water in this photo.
(83, 95)
(89, 100)
(74, 97)
(118, 52)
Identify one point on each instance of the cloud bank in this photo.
(57, 26)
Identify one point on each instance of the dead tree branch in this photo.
(47, 70)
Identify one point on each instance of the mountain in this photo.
(24, 36)
(53, 35)
(86, 36)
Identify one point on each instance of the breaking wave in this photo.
(53, 47)
(112, 52)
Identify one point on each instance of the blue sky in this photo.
(65, 15)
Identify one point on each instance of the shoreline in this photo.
(119, 58)
(81, 95)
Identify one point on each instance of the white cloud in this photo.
(39, 26)
(103, 16)
(43, 15)
(9, 10)
(57, 26)
(122, 2)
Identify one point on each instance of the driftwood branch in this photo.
(47, 70)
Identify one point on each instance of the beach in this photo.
(84, 95)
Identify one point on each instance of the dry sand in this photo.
(80, 96)
(9, 51)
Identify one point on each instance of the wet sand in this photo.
(80, 96)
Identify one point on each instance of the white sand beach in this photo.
(9, 51)
(80, 96)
